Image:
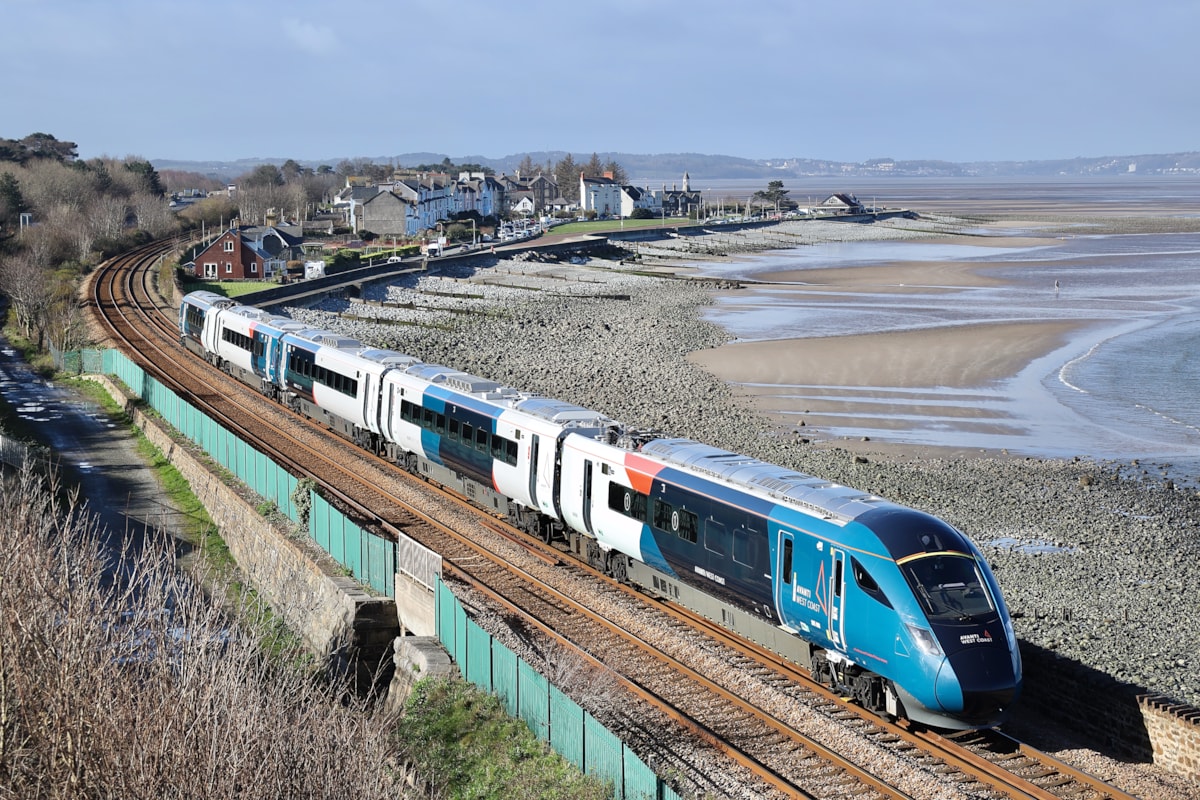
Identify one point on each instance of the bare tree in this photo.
(23, 277)
(153, 214)
(106, 216)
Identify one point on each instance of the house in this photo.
(350, 201)
(252, 253)
(680, 202)
(388, 214)
(601, 195)
(840, 204)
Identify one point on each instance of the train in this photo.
(886, 604)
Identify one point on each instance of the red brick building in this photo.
(254, 253)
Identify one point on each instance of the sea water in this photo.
(1126, 386)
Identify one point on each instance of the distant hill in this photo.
(668, 168)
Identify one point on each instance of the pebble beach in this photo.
(1096, 560)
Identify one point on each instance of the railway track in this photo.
(689, 676)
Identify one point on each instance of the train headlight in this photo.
(925, 641)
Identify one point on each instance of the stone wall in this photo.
(1174, 730)
(334, 615)
(1118, 719)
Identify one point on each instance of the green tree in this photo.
(148, 174)
(594, 168)
(618, 172)
(566, 175)
(774, 195)
(292, 170)
(12, 202)
(43, 145)
(264, 175)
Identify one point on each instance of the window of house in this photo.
(254, 269)
(228, 268)
(229, 245)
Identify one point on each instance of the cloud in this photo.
(311, 38)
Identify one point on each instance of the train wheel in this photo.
(618, 568)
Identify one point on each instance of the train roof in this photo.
(812, 494)
(206, 299)
(388, 357)
(267, 318)
(323, 338)
(463, 382)
(563, 413)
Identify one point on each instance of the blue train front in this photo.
(901, 595)
(887, 604)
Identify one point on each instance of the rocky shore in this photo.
(1097, 561)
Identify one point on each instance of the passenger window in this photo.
(689, 526)
(481, 440)
(453, 429)
(468, 434)
(786, 569)
(662, 515)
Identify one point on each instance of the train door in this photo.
(837, 598)
(534, 448)
(587, 497)
(785, 575)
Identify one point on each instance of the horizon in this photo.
(1018, 82)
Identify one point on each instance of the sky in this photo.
(767, 79)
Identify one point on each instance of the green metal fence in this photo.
(557, 719)
(370, 558)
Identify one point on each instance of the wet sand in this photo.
(950, 376)
(959, 357)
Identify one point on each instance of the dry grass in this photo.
(120, 678)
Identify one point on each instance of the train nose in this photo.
(977, 685)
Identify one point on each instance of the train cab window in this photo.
(867, 583)
(714, 537)
(949, 586)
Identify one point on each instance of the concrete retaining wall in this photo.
(336, 618)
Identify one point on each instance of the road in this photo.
(91, 450)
